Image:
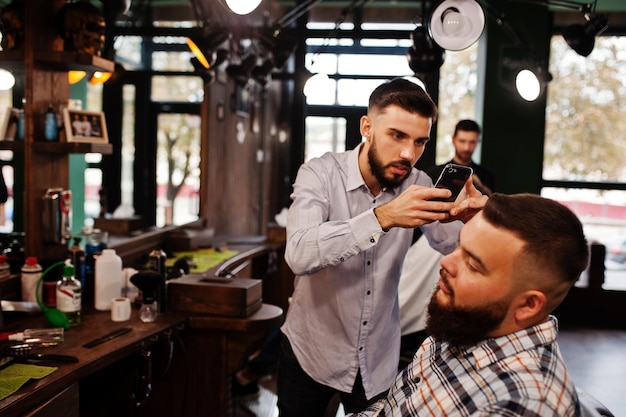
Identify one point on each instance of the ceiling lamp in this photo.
(241, 73)
(424, 55)
(581, 38)
(242, 7)
(457, 24)
(203, 46)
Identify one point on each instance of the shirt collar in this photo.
(355, 178)
(494, 349)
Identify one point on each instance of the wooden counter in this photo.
(191, 359)
(35, 393)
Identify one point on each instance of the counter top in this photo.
(94, 324)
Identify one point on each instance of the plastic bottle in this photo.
(108, 280)
(31, 271)
(38, 335)
(69, 295)
(5, 269)
(51, 128)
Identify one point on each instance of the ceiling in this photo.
(401, 11)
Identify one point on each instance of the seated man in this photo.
(492, 348)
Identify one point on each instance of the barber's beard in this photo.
(378, 168)
(463, 326)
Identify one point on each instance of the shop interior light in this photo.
(242, 7)
(75, 76)
(457, 24)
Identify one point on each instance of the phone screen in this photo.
(453, 177)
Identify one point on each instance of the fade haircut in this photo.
(467, 126)
(406, 94)
(552, 233)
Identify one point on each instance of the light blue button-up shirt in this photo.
(344, 313)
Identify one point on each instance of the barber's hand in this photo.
(413, 209)
(469, 206)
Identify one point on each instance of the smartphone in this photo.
(453, 177)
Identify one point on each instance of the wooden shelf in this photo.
(73, 147)
(61, 61)
(59, 147)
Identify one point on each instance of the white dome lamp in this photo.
(242, 7)
(457, 24)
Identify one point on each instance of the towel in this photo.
(16, 375)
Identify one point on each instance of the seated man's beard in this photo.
(463, 327)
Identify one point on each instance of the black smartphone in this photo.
(453, 177)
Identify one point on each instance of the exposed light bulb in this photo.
(453, 22)
(7, 80)
(242, 7)
(316, 84)
(527, 85)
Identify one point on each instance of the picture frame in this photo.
(85, 126)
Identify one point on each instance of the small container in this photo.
(5, 269)
(108, 280)
(31, 272)
(39, 335)
(69, 296)
(51, 127)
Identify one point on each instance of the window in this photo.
(584, 147)
(457, 98)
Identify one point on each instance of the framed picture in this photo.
(85, 126)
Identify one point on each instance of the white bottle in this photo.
(31, 272)
(108, 279)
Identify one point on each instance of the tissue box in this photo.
(237, 297)
(118, 227)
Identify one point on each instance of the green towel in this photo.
(14, 376)
(203, 259)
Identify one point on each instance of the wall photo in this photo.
(85, 126)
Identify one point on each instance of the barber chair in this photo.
(590, 406)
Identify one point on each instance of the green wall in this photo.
(513, 129)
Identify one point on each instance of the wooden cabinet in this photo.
(44, 66)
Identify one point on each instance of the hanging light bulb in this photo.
(242, 7)
(452, 22)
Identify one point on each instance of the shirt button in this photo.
(341, 259)
(360, 348)
(369, 262)
(369, 292)
(365, 323)
(372, 240)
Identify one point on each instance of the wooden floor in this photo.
(596, 358)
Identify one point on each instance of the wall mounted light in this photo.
(457, 24)
(581, 38)
(520, 73)
(74, 76)
(242, 72)
(424, 55)
(100, 77)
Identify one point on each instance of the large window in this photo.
(584, 144)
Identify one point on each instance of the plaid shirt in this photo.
(521, 374)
